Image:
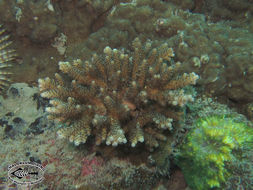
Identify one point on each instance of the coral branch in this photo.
(6, 55)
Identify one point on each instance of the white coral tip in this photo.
(107, 50)
(114, 144)
(141, 139)
(77, 143)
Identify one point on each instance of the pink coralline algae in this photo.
(90, 165)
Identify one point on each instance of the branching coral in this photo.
(6, 55)
(215, 143)
(118, 97)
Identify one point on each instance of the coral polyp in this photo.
(6, 55)
(119, 97)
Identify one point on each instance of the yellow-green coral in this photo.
(118, 97)
(6, 55)
(214, 142)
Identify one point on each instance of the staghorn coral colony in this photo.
(119, 97)
(6, 55)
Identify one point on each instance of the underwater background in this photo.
(128, 94)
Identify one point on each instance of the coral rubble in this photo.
(118, 174)
(6, 55)
(119, 97)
